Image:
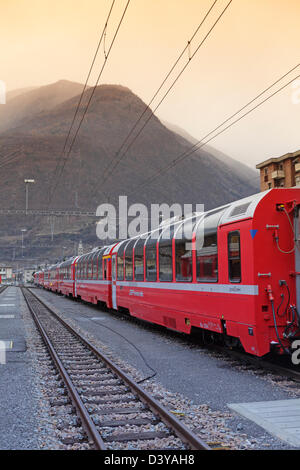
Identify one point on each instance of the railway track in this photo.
(272, 365)
(113, 410)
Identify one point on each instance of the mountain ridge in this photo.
(39, 137)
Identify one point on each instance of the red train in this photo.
(235, 277)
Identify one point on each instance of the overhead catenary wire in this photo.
(10, 158)
(90, 98)
(187, 47)
(89, 74)
(197, 145)
(83, 91)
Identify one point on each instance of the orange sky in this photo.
(256, 42)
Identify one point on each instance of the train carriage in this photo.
(222, 278)
(231, 274)
(51, 278)
(66, 277)
(93, 277)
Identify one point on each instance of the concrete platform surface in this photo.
(281, 417)
(18, 403)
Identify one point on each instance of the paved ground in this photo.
(180, 366)
(17, 392)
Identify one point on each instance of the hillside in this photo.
(241, 169)
(24, 104)
(40, 136)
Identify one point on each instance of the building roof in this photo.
(278, 159)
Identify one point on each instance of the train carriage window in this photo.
(95, 265)
(207, 247)
(165, 260)
(90, 267)
(234, 256)
(139, 260)
(120, 262)
(99, 260)
(83, 267)
(165, 255)
(183, 260)
(151, 263)
(129, 260)
(183, 251)
(105, 269)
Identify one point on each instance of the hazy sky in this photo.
(256, 42)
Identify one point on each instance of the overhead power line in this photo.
(158, 90)
(197, 145)
(120, 158)
(102, 37)
(82, 94)
(90, 99)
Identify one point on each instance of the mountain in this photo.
(29, 102)
(39, 122)
(241, 169)
(20, 91)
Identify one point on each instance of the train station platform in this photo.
(280, 417)
(18, 402)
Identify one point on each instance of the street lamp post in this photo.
(27, 182)
(23, 230)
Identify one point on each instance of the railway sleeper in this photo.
(136, 436)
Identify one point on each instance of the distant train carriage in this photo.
(66, 277)
(93, 277)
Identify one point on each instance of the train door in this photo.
(114, 281)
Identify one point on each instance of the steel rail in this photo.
(180, 430)
(87, 422)
(258, 362)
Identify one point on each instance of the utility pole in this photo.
(23, 230)
(27, 182)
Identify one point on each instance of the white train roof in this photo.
(243, 208)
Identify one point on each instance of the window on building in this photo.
(139, 260)
(234, 256)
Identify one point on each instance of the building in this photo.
(28, 275)
(6, 273)
(280, 172)
(24, 275)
